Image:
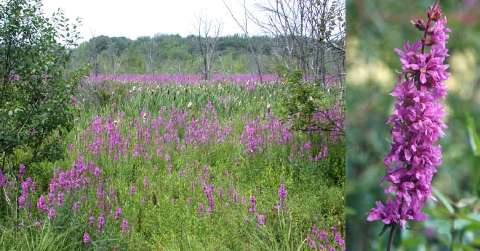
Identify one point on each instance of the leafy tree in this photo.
(35, 87)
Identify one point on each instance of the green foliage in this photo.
(303, 100)
(41, 238)
(35, 88)
(168, 54)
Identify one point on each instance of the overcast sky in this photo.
(134, 18)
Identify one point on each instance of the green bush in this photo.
(35, 88)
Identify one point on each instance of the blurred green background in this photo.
(375, 28)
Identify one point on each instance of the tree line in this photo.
(164, 53)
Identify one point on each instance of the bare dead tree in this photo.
(244, 26)
(150, 45)
(208, 33)
(113, 54)
(309, 35)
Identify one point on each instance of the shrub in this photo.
(35, 88)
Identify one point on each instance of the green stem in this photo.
(390, 237)
(452, 233)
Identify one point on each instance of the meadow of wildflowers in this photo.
(181, 167)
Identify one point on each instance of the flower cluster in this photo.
(417, 123)
(256, 134)
(322, 240)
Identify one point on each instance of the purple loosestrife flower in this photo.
(91, 220)
(417, 124)
(100, 223)
(321, 240)
(282, 193)
(124, 226)
(60, 198)
(86, 238)
(76, 206)
(133, 190)
(52, 213)
(22, 169)
(209, 192)
(118, 212)
(21, 200)
(42, 204)
(260, 219)
(338, 238)
(3, 179)
(253, 204)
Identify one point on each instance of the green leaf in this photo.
(473, 136)
(444, 200)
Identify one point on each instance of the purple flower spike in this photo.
(3, 179)
(124, 226)
(282, 193)
(22, 169)
(118, 212)
(417, 124)
(260, 219)
(52, 213)
(100, 223)
(86, 238)
(253, 204)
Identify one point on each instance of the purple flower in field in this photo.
(52, 213)
(76, 206)
(3, 179)
(21, 200)
(14, 77)
(118, 212)
(282, 193)
(417, 125)
(97, 172)
(322, 240)
(74, 100)
(22, 169)
(260, 219)
(146, 182)
(86, 238)
(338, 238)
(42, 204)
(235, 196)
(60, 198)
(124, 226)
(208, 190)
(100, 223)
(91, 220)
(253, 204)
(133, 189)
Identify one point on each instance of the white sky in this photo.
(134, 18)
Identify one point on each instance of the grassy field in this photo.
(209, 166)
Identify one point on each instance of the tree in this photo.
(244, 28)
(115, 48)
(309, 34)
(35, 88)
(208, 33)
(97, 46)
